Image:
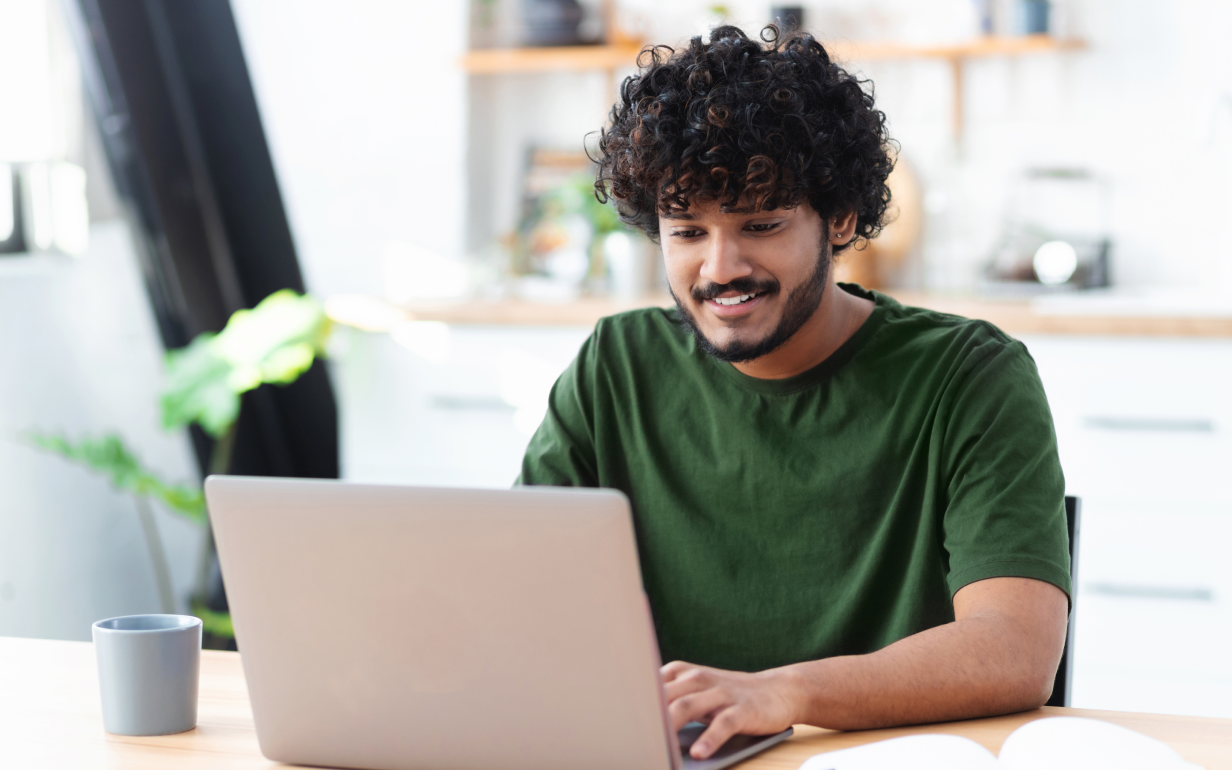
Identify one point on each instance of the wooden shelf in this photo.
(981, 47)
(496, 61)
(607, 57)
(610, 58)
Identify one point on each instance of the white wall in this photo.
(509, 114)
(1139, 107)
(79, 355)
(364, 108)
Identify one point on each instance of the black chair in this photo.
(1062, 690)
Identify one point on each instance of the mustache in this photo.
(740, 286)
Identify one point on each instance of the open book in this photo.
(1054, 743)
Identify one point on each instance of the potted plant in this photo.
(273, 343)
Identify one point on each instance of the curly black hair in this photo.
(765, 125)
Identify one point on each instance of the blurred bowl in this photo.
(872, 265)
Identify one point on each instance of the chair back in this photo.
(1062, 689)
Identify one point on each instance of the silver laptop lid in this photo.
(438, 629)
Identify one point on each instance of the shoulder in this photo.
(966, 342)
(979, 375)
(646, 320)
(920, 350)
(637, 348)
(644, 334)
(935, 326)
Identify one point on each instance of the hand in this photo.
(730, 702)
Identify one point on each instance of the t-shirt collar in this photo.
(826, 368)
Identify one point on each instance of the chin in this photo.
(739, 339)
(723, 335)
(732, 348)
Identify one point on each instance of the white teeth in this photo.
(733, 300)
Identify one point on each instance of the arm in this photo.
(999, 656)
(562, 451)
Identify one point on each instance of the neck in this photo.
(839, 316)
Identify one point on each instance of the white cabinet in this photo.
(1141, 417)
(446, 405)
(1145, 434)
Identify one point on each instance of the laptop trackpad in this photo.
(737, 749)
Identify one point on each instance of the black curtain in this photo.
(180, 125)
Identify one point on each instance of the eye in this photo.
(762, 227)
(691, 233)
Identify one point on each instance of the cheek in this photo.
(681, 269)
(796, 261)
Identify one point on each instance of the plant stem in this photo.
(158, 557)
(203, 563)
(220, 459)
(220, 462)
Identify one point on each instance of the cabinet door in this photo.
(1153, 627)
(446, 405)
(1143, 430)
(1141, 417)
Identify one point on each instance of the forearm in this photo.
(977, 666)
(998, 657)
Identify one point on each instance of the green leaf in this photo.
(275, 342)
(577, 196)
(282, 319)
(198, 388)
(603, 216)
(110, 457)
(216, 623)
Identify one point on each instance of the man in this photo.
(849, 512)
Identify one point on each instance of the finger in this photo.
(674, 669)
(723, 726)
(688, 682)
(696, 707)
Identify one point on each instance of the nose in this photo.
(723, 262)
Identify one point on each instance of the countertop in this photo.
(1115, 315)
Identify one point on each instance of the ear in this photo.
(842, 228)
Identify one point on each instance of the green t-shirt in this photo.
(830, 513)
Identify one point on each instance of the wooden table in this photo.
(49, 718)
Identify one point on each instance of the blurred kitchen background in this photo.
(1065, 171)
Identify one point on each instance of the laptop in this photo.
(412, 628)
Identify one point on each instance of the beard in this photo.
(802, 303)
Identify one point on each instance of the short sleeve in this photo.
(562, 451)
(1005, 515)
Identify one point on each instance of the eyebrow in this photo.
(687, 216)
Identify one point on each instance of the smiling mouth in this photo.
(736, 300)
(728, 300)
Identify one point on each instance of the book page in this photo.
(1076, 743)
(917, 752)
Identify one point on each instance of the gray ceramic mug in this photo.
(148, 667)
